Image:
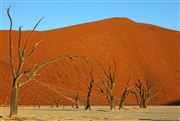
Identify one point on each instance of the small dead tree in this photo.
(76, 100)
(144, 92)
(37, 103)
(22, 76)
(90, 87)
(125, 93)
(109, 83)
(57, 102)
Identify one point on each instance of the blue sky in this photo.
(62, 13)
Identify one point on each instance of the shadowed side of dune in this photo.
(174, 103)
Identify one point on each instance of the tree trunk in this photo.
(77, 103)
(14, 100)
(88, 106)
(143, 104)
(121, 103)
(77, 100)
(112, 105)
(123, 99)
(57, 105)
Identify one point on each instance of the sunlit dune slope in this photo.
(141, 51)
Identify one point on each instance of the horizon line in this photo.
(41, 30)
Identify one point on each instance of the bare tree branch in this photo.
(101, 90)
(33, 49)
(145, 92)
(90, 87)
(40, 66)
(125, 93)
(106, 74)
(23, 76)
(115, 68)
(19, 42)
(109, 83)
(128, 82)
(10, 44)
(19, 51)
(29, 37)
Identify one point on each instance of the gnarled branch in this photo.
(10, 44)
(29, 37)
(109, 83)
(40, 66)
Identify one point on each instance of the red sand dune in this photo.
(142, 51)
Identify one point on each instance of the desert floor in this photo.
(98, 113)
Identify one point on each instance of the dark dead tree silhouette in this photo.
(76, 99)
(109, 83)
(127, 90)
(144, 92)
(21, 76)
(57, 102)
(37, 103)
(90, 87)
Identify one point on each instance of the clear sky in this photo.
(62, 13)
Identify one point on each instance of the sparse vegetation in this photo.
(125, 93)
(57, 102)
(76, 100)
(37, 103)
(23, 76)
(109, 83)
(144, 92)
(90, 87)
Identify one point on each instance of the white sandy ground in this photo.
(98, 113)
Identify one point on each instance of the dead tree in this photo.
(90, 87)
(109, 83)
(145, 92)
(20, 75)
(57, 102)
(76, 100)
(36, 102)
(124, 95)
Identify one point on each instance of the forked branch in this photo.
(33, 71)
(22, 76)
(127, 90)
(108, 83)
(145, 92)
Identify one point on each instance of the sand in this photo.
(98, 113)
(141, 51)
